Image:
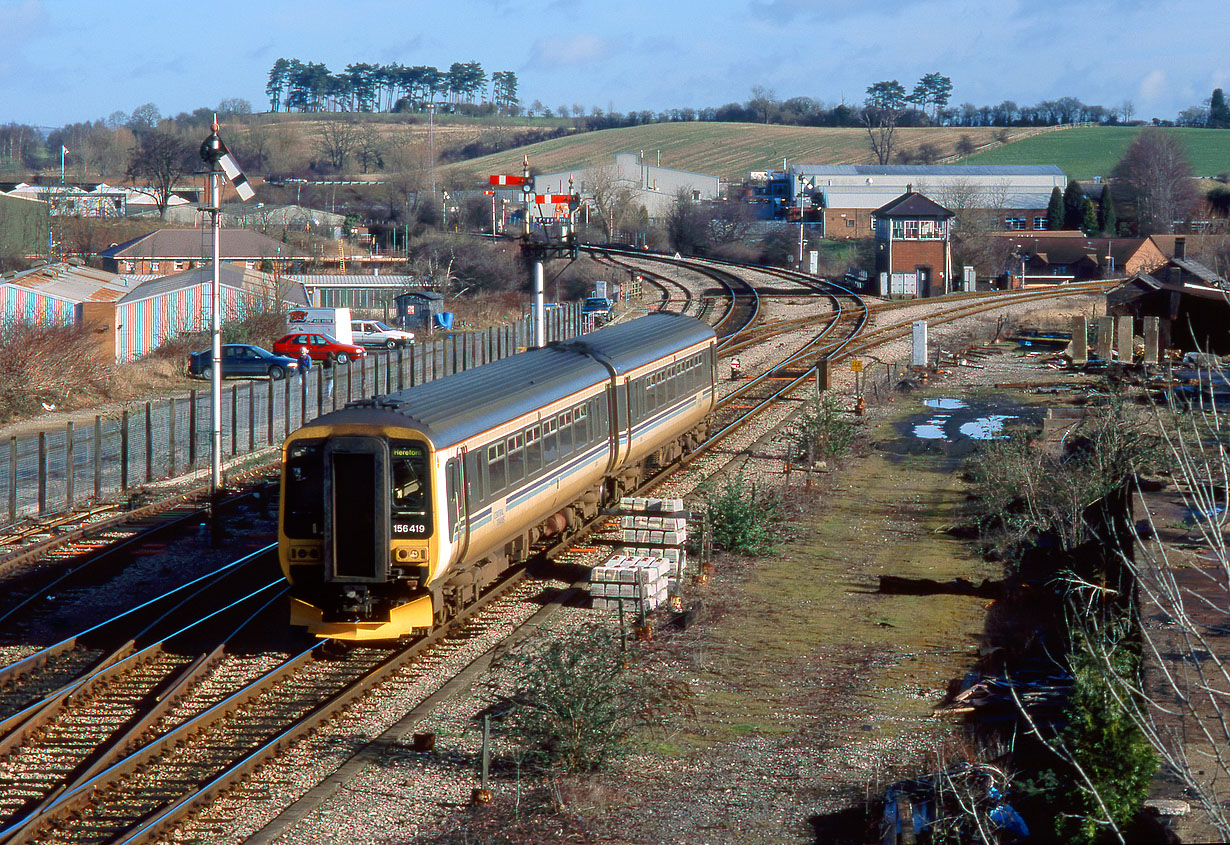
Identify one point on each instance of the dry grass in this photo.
(36, 374)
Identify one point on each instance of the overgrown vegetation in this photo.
(822, 431)
(740, 516)
(35, 372)
(1023, 492)
(572, 703)
(1106, 764)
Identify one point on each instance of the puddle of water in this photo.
(986, 428)
(945, 404)
(929, 431)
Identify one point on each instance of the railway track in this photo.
(233, 727)
(143, 794)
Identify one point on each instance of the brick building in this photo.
(913, 246)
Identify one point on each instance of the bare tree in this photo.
(1156, 170)
(1184, 710)
(979, 215)
(610, 197)
(337, 140)
(159, 160)
(881, 126)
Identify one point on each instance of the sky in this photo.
(67, 61)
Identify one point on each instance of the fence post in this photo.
(192, 426)
(401, 368)
(362, 376)
(234, 420)
(97, 458)
(124, 446)
(42, 473)
(70, 472)
(269, 414)
(149, 441)
(12, 479)
(303, 400)
(171, 438)
(251, 416)
(286, 408)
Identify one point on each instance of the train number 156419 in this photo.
(408, 528)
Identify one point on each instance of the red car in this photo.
(321, 347)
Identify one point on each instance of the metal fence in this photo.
(57, 470)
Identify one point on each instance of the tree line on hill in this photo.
(362, 87)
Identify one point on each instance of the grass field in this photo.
(1088, 151)
(727, 150)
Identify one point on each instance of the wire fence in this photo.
(111, 458)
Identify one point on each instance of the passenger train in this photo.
(397, 511)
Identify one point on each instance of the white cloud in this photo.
(1153, 87)
(562, 52)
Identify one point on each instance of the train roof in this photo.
(453, 409)
(635, 343)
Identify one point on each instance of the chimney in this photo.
(1180, 248)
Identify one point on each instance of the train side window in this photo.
(495, 466)
(565, 433)
(516, 458)
(533, 450)
(550, 446)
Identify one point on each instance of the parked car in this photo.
(376, 333)
(242, 359)
(599, 307)
(321, 347)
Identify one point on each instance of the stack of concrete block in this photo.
(658, 524)
(634, 579)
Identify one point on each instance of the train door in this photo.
(455, 487)
(356, 495)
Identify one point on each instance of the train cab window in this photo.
(495, 467)
(516, 458)
(533, 450)
(303, 514)
(550, 445)
(565, 433)
(410, 496)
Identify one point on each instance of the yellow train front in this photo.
(397, 511)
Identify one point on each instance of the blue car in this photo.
(242, 359)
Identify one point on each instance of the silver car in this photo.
(376, 333)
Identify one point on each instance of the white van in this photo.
(334, 322)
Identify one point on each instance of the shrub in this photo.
(572, 704)
(1102, 740)
(821, 431)
(35, 369)
(741, 518)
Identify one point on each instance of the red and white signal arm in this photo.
(556, 199)
(496, 179)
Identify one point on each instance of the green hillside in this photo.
(1088, 151)
(727, 150)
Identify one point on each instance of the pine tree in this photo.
(1089, 220)
(1054, 210)
(1073, 206)
(1219, 112)
(1107, 221)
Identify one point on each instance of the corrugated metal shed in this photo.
(49, 294)
(161, 308)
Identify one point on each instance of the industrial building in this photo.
(841, 197)
(651, 185)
